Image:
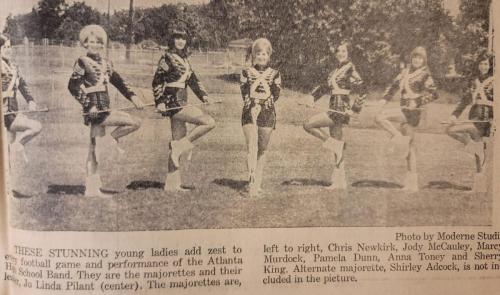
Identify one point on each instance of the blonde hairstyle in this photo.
(261, 44)
(93, 30)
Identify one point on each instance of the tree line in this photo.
(381, 33)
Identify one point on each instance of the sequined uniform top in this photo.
(173, 75)
(260, 89)
(89, 85)
(416, 85)
(480, 94)
(343, 81)
(12, 81)
(413, 85)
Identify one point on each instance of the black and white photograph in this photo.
(148, 115)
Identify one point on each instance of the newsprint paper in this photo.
(249, 147)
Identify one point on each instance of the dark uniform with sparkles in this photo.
(480, 95)
(173, 75)
(416, 85)
(342, 81)
(89, 85)
(260, 89)
(11, 82)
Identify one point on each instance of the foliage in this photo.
(382, 33)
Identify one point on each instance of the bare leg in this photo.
(411, 158)
(27, 129)
(91, 164)
(315, 123)
(125, 123)
(173, 180)
(251, 137)
(204, 123)
(463, 132)
(411, 180)
(93, 182)
(337, 134)
(384, 118)
(338, 178)
(264, 136)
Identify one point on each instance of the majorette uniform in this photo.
(480, 95)
(173, 75)
(11, 82)
(89, 85)
(260, 89)
(342, 81)
(416, 85)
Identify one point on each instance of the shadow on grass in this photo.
(144, 184)
(64, 189)
(237, 185)
(376, 184)
(446, 185)
(19, 195)
(139, 185)
(305, 182)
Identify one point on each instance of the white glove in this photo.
(161, 108)
(32, 106)
(139, 104)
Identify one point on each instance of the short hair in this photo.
(93, 30)
(261, 44)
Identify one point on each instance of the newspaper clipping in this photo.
(249, 147)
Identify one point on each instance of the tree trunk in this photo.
(130, 29)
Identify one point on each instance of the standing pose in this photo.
(89, 85)
(471, 133)
(20, 129)
(342, 81)
(415, 87)
(173, 75)
(260, 88)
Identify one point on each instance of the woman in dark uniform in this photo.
(260, 88)
(89, 82)
(342, 81)
(20, 128)
(173, 75)
(415, 88)
(472, 134)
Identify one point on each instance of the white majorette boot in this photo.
(480, 183)
(177, 148)
(173, 182)
(336, 146)
(19, 148)
(411, 182)
(118, 148)
(339, 180)
(93, 186)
